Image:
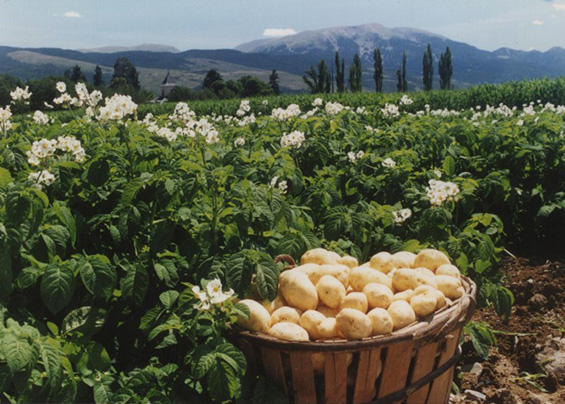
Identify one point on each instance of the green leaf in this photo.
(503, 299)
(242, 310)
(18, 352)
(98, 173)
(57, 287)
(102, 393)
(482, 338)
(449, 166)
(5, 177)
(167, 272)
(135, 284)
(86, 320)
(94, 358)
(223, 383)
(98, 275)
(235, 354)
(267, 277)
(66, 217)
(51, 363)
(239, 270)
(169, 298)
(5, 274)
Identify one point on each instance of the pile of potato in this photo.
(332, 297)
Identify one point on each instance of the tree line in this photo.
(320, 80)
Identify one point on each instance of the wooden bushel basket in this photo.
(413, 365)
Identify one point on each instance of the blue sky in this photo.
(207, 24)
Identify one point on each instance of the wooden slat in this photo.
(395, 368)
(425, 360)
(303, 377)
(367, 374)
(272, 363)
(441, 387)
(336, 377)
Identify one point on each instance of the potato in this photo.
(275, 304)
(355, 300)
(319, 256)
(328, 329)
(378, 295)
(381, 321)
(429, 277)
(316, 272)
(285, 314)
(431, 259)
(403, 259)
(298, 291)
(406, 278)
(450, 286)
(353, 324)
(327, 311)
(288, 332)
(401, 313)
(440, 299)
(310, 321)
(308, 269)
(382, 262)
(424, 301)
(348, 261)
(330, 291)
(449, 270)
(362, 276)
(405, 296)
(366, 264)
(259, 319)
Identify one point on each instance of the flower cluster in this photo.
(282, 114)
(400, 216)
(117, 108)
(405, 100)
(389, 163)
(40, 118)
(43, 149)
(213, 294)
(20, 94)
(182, 113)
(239, 142)
(293, 139)
(353, 157)
(281, 185)
(5, 116)
(439, 191)
(390, 110)
(317, 102)
(333, 108)
(64, 98)
(244, 108)
(41, 178)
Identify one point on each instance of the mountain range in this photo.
(292, 55)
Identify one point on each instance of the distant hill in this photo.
(292, 55)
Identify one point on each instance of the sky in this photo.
(213, 24)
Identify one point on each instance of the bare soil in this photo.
(528, 364)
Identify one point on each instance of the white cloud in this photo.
(71, 14)
(275, 32)
(537, 22)
(559, 6)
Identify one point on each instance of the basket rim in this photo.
(436, 327)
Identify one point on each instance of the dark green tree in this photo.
(445, 70)
(124, 69)
(253, 86)
(97, 79)
(339, 73)
(274, 82)
(428, 68)
(77, 75)
(180, 93)
(211, 77)
(8, 83)
(398, 80)
(318, 81)
(378, 75)
(355, 75)
(404, 81)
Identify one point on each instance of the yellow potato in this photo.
(424, 301)
(405, 296)
(308, 269)
(440, 299)
(449, 270)
(298, 291)
(285, 314)
(382, 262)
(327, 311)
(355, 300)
(381, 321)
(316, 272)
(259, 320)
(403, 259)
(328, 329)
(348, 261)
(378, 295)
(353, 324)
(275, 304)
(401, 313)
(429, 277)
(310, 321)
(288, 332)
(450, 286)
(362, 276)
(406, 278)
(431, 259)
(330, 291)
(319, 256)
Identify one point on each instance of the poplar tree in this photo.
(378, 75)
(445, 70)
(339, 73)
(97, 79)
(274, 82)
(355, 75)
(428, 69)
(404, 81)
(318, 81)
